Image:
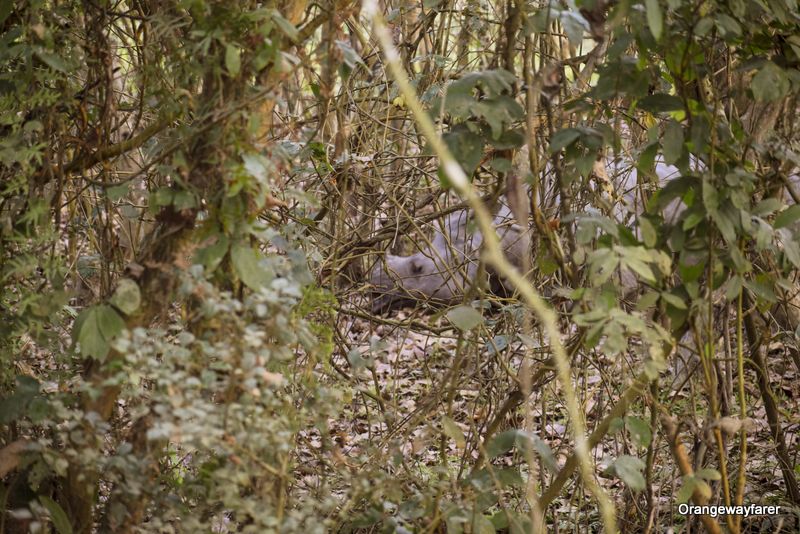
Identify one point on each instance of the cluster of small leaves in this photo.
(709, 226)
(483, 112)
(33, 79)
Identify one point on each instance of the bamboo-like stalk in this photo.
(495, 256)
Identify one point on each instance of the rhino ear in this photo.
(416, 266)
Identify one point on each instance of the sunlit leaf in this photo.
(629, 470)
(233, 60)
(655, 18)
(465, 317)
(770, 83)
(454, 432)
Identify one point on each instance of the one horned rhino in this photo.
(443, 271)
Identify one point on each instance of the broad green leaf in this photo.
(762, 290)
(116, 192)
(771, 83)
(674, 300)
(510, 477)
(453, 431)
(693, 219)
(285, 26)
(738, 8)
(6, 6)
(690, 272)
(14, 406)
(629, 470)
(233, 60)
(647, 301)
(724, 224)
(211, 256)
(563, 138)
(482, 525)
(791, 247)
(547, 265)
(247, 263)
(540, 447)
(465, 317)
(655, 18)
(95, 328)
(639, 430)
(728, 27)
(661, 103)
(466, 147)
(57, 515)
(350, 56)
(687, 489)
(126, 297)
(787, 216)
(708, 474)
(767, 206)
(732, 288)
(501, 443)
(672, 143)
(53, 61)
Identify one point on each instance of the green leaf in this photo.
(674, 300)
(546, 263)
(647, 301)
(116, 192)
(686, 491)
(767, 206)
(465, 317)
(285, 26)
(466, 147)
(350, 56)
(14, 406)
(728, 27)
(358, 361)
(672, 143)
(6, 6)
(762, 290)
(638, 266)
(57, 515)
(233, 61)
(787, 216)
(540, 447)
(53, 61)
(690, 272)
(771, 83)
(95, 328)
(453, 431)
(126, 297)
(639, 430)
(791, 247)
(661, 103)
(724, 225)
(708, 474)
(211, 256)
(501, 443)
(655, 19)
(732, 288)
(482, 525)
(629, 470)
(510, 477)
(563, 138)
(247, 264)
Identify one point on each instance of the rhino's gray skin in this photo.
(443, 271)
(446, 269)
